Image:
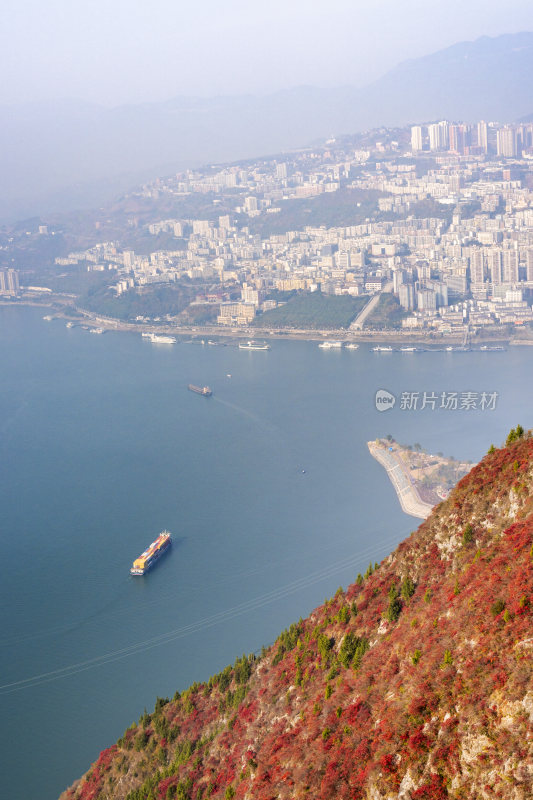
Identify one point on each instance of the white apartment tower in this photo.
(510, 266)
(477, 267)
(494, 258)
(483, 136)
(250, 204)
(529, 265)
(406, 296)
(506, 142)
(438, 136)
(416, 138)
(9, 282)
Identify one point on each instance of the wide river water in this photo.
(267, 487)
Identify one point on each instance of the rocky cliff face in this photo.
(415, 683)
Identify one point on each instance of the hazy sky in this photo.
(121, 51)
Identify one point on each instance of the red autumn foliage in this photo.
(454, 665)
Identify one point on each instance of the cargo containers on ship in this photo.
(152, 554)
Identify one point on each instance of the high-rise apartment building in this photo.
(529, 265)
(494, 258)
(506, 142)
(510, 266)
(416, 138)
(250, 204)
(438, 136)
(477, 266)
(483, 136)
(406, 296)
(9, 282)
(201, 227)
(457, 144)
(342, 259)
(426, 300)
(398, 277)
(441, 293)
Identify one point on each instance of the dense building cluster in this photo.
(444, 221)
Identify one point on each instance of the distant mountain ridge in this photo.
(415, 683)
(485, 79)
(64, 155)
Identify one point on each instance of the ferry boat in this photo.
(152, 554)
(48, 318)
(97, 330)
(330, 345)
(157, 338)
(252, 345)
(205, 391)
(380, 349)
(351, 346)
(407, 349)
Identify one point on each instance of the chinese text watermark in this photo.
(434, 401)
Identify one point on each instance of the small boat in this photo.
(380, 349)
(330, 345)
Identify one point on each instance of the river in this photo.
(268, 488)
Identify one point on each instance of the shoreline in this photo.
(62, 305)
(407, 494)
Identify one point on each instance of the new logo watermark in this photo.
(384, 400)
(433, 401)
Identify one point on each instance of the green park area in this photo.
(388, 313)
(313, 310)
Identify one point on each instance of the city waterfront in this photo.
(267, 487)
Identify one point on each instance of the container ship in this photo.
(205, 391)
(152, 554)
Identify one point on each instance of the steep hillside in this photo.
(414, 683)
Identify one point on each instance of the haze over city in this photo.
(131, 52)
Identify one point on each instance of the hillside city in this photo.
(436, 238)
